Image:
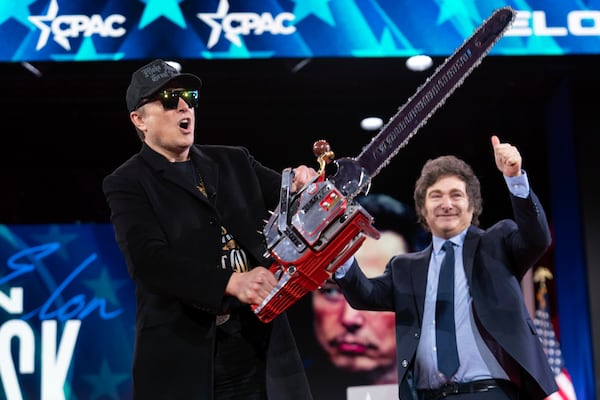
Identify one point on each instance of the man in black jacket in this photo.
(187, 219)
(499, 354)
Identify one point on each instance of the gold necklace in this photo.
(200, 186)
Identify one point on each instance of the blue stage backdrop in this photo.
(78, 30)
(67, 314)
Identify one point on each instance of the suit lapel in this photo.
(162, 166)
(419, 271)
(209, 171)
(469, 247)
(420, 267)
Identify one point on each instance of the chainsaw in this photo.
(316, 229)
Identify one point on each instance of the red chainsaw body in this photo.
(309, 236)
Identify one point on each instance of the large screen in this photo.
(74, 30)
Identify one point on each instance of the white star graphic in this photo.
(216, 28)
(38, 20)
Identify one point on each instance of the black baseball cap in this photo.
(150, 78)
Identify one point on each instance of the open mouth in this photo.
(184, 124)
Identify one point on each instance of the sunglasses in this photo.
(169, 98)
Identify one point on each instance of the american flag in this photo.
(547, 335)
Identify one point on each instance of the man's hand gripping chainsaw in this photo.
(314, 231)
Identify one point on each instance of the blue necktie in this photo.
(445, 332)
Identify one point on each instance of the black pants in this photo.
(239, 367)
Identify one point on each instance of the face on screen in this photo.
(359, 341)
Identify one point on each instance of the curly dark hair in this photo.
(444, 166)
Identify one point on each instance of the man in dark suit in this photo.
(497, 354)
(187, 219)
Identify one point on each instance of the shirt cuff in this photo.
(518, 185)
(341, 271)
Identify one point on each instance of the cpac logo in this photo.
(72, 26)
(236, 24)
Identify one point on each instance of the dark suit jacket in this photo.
(494, 260)
(170, 236)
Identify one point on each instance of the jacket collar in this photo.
(469, 247)
(206, 167)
